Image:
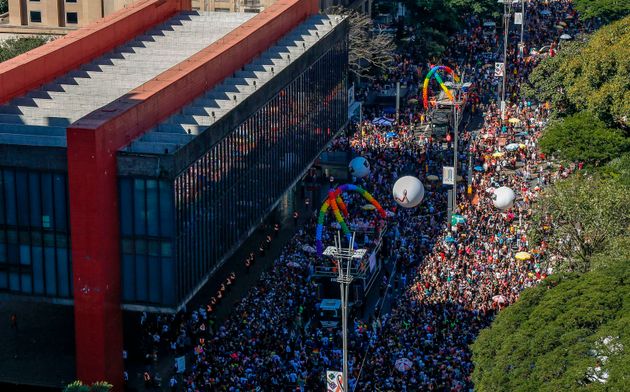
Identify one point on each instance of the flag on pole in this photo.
(499, 68)
(334, 381)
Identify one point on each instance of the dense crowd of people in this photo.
(455, 278)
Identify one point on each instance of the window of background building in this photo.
(71, 1)
(72, 18)
(36, 16)
(221, 9)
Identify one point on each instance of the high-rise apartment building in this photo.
(61, 13)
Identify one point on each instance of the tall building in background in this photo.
(61, 13)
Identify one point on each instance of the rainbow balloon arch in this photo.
(339, 208)
(433, 73)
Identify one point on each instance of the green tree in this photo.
(562, 335)
(78, 386)
(608, 10)
(16, 46)
(579, 217)
(547, 82)
(583, 137)
(591, 76)
(481, 8)
(618, 169)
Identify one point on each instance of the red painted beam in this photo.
(45, 63)
(92, 145)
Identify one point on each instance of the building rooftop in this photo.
(40, 117)
(198, 116)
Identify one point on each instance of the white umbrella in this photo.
(566, 37)
(499, 299)
(512, 147)
(293, 264)
(403, 364)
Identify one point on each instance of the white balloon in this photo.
(408, 191)
(359, 167)
(503, 198)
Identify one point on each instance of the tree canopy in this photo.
(437, 20)
(607, 10)
(583, 137)
(579, 217)
(16, 46)
(567, 334)
(589, 76)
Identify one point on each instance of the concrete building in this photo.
(138, 153)
(61, 13)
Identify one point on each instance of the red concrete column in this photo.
(95, 257)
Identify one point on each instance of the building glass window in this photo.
(34, 245)
(36, 16)
(234, 185)
(72, 18)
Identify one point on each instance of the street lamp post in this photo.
(506, 28)
(345, 275)
(522, 25)
(457, 106)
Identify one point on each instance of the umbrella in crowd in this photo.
(497, 154)
(390, 135)
(512, 147)
(499, 299)
(432, 177)
(403, 364)
(566, 37)
(457, 219)
(522, 256)
(478, 168)
(514, 120)
(545, 12)
(368, 207)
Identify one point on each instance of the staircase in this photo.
(41, 116)
(204, 111)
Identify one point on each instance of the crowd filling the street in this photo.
(445, 283)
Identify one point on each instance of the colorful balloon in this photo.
(433, 73)
(335, 202)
